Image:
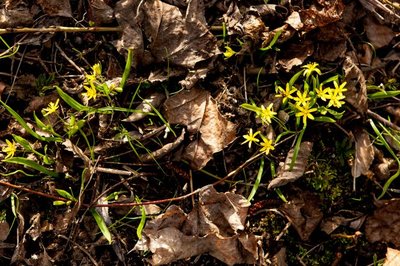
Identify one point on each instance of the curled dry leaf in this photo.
(304, 214)
(364, 154)
(379, 35)
(315, 18)
(384, 224)
(52, 8)
(180, 39)
(100, 12)
(199, 113)
(285, 175)
(355, 221)
(15, 16)
(392, 257)
(215, 226)
(154, 100)
(356, 93)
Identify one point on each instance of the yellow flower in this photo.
(96, 70)
(91, 92)
(302, 98)
(229, 52)
(266, 146)
(322, 93)
(266, 114)
(286, 93)
(310, 68)
(250, 137)
(51, 108)
(10, 149)
(305, 112)
(339, 89)
(335, 99)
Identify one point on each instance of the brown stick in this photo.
(60, 29)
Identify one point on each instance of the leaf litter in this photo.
(179, 136)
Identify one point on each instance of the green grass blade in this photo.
(257, 182)
(31, 164)
(387, 146)
(142, 220)
(72, 102)
(22, 122)
(102, 225)
(127, 69)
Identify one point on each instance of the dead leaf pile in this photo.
(384, 224)
(215, 226)
(196, 110)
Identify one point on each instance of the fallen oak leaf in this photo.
(215, 226)
(285, 175)
(197, 110)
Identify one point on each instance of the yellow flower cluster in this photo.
(266, 144)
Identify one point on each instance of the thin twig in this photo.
(382, 120)
(60, 29)
(80, 248)
(70, 60)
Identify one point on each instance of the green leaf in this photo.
(383, 94)
(66, 194)
(295, 77)
(127, 69)
(273, 41)
(142, 220)
(72, 102)
(22, 122)
(102, 225)
(324, 119)
(23, 142)
(257, 182)
(59, 203)
(31, 164)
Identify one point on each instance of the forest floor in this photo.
(190, 132)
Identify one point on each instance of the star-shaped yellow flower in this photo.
(91, 92)
(322, 93)
(51, 108)
(266, 146)
(286, 93)
(266, 114)
(305, 111)
(10, 149)
(302, 98)
(250, 137)
(310, 68)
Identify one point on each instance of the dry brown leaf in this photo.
(355, 221)
(52, 8)
(364, 153)
(4, 230)
(214, 226)
(295, 54)
(99, 12)
(284, 175)
(15, 16)
(304, 214)
(392, 257)
(356, 93)
(384, 224)
(379, 35)
(314, 17)
(199, 113)
(176, 38)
